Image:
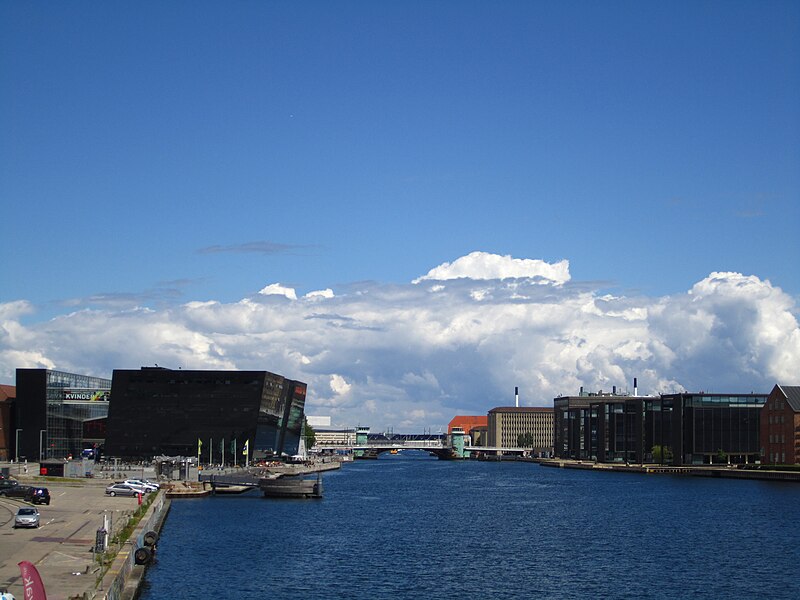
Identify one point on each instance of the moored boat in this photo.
(291, 487)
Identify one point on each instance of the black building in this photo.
(708, 428)
(677, 429)
(58, 414)
(601, 427)
(157, 411)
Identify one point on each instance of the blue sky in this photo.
(154, 155)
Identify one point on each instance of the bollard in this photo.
(139, 496)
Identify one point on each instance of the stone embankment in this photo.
(63, 548)
(694, 470)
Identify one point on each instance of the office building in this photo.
(58, 414)
(213, 414)
(521, 427)
(677, 429)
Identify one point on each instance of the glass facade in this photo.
(214, 414)
(719, 428)
(55, 410)
(672, 429)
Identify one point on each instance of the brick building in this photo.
(780, 426)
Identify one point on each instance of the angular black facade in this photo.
(157, 411)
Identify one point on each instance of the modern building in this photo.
(335, 438)
(678, 429)
(521, 426)
(213, 414)
(780, 426)
(58, 414)
(599, 426)
(8, 394)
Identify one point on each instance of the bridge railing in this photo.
(406, 443)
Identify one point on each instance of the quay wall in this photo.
(122, 580)
(722, 472)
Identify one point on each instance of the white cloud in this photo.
(482, 265)
(413, 356)
(326, 293)
(276, 289)
(339, 385)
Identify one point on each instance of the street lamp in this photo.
(41, 444)
(16, 451)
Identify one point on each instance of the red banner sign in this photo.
(31, 582)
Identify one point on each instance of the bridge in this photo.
(374, 444)
(445, 447)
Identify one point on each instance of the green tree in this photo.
(722, 456)
(525, 440)
(661, 451)
(309, 434)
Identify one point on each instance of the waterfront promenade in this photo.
(61, 549)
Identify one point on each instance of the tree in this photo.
(660, 452)
(310, 434)
(525, 440)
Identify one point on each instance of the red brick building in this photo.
(467, 423)
(7, 434)
(780, 426)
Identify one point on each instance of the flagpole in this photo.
(210, 451)
(235, 456)
(223, 453)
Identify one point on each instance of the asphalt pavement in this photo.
(61, 548)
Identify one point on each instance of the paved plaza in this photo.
(61, 548)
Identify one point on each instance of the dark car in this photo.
(38, 495)
(7, 484)
(16, 491)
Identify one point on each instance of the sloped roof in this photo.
(792, 393)
(467, 422)
(7, 391)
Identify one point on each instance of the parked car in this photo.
(7, 484)
(147, 485)
(38, 495)
(123, 489)
(27, 516)
(16, 491)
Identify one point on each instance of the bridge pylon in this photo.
(457, 442)
(362, 434)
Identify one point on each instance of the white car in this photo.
(142, 483)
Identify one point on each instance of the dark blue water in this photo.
(419, 528)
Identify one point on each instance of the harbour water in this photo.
(407, 526)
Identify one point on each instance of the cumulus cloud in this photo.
(455, 341)
(276, 289)
(482, 265)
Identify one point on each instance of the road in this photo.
(61, 548)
